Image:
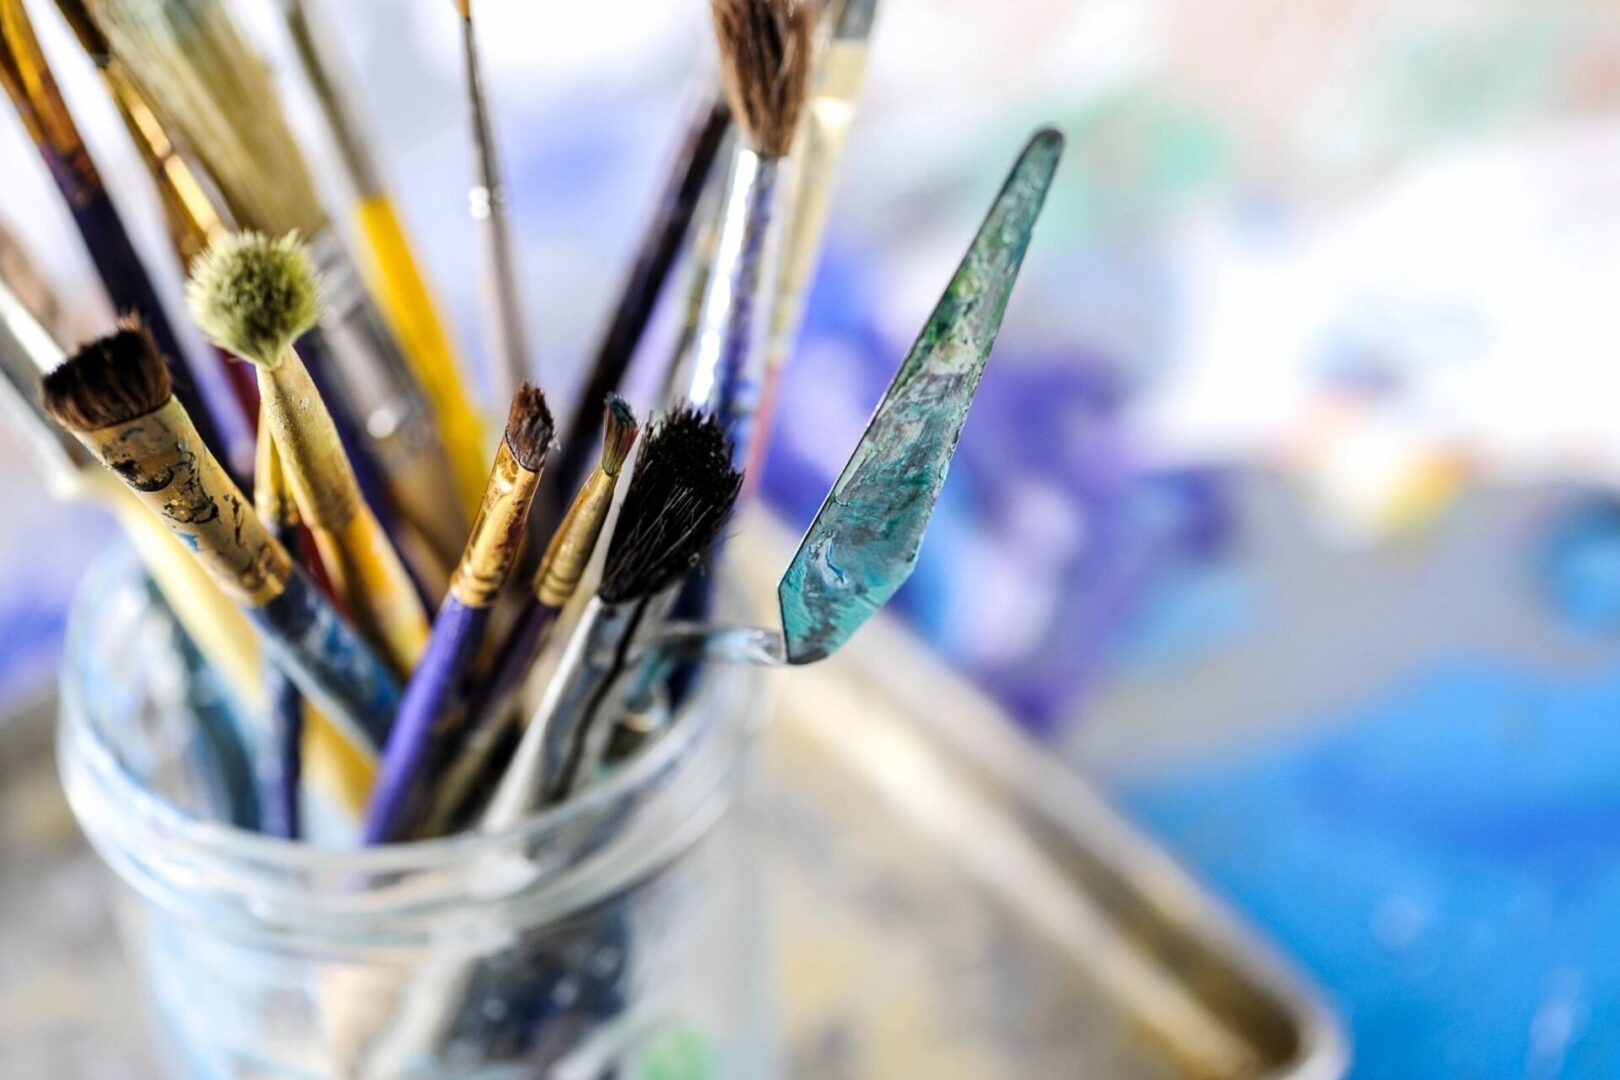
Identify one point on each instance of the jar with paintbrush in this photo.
(380, 813)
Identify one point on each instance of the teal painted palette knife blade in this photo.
(864, 541)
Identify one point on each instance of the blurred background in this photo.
(1287, 510)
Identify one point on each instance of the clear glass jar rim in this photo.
(216, 840)
(142, 818)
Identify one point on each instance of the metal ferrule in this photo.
(497, 534)
(191, 208)
(318, 471)
(381, 390)
(163, 460)
(727, 371)
(378, 377)
(486, 201)
(571, 546)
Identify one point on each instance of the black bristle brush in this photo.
(679, 497)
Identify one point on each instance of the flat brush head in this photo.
(208, 84)
(112, 380)
(529, 427)
(765, 53)
(680, 494)
(254, 296)
(619, 429)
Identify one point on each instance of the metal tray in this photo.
(950, 901)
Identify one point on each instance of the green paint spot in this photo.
(677, 1054)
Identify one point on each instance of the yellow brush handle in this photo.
(334, 765)
(371, 582)
(408, 305)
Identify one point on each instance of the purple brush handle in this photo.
(456, 633)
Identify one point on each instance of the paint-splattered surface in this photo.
(1321, 281)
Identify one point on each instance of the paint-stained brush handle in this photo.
(456, 633)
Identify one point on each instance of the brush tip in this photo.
(619, 429)
(679, 496)
(529, 427)
(765, 48)
(111, 380)
(255, 296)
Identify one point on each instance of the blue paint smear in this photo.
(1444, 859)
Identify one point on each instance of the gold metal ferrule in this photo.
(163, 460)
(318, 472)
(497, 534)
(570, 549)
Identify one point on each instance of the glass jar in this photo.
(617, 935)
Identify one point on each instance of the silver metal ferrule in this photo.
(727, 371)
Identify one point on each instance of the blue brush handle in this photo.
(280, 766)
(129, 287)
(332, 666)
(280, 763)
(220, 751)
(456, 633)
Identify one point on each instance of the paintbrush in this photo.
(679, 496)
(33, 91)
(27, 353)
(487, 201)
(765, 54)
(210, 87)
(396, 277)
(561, 569)
(254, 297)
(193, 210)
(836, 82)
(458, 630)
(661, 245)
(115, 396)
(280, 760)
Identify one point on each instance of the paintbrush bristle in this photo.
(254, 296)
(619, 430)
(112, 380)
(680, 494)
(529, 427)
(91, 39)
(765, 48)
(217, 94)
